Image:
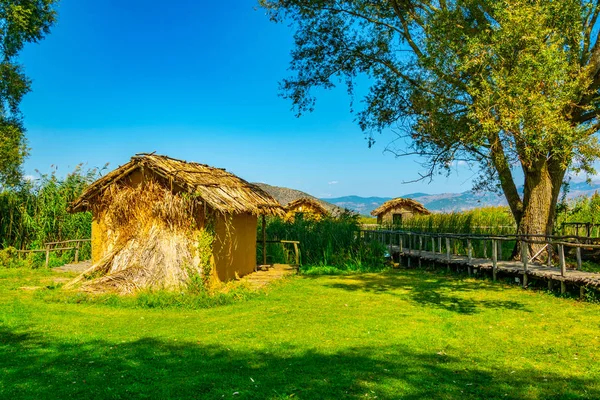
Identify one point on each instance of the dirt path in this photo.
(262, 278)
(79, 267)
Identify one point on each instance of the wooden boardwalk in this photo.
(513, 267)
(423, 248)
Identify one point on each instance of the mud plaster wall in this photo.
(388, 216)
(234, 248)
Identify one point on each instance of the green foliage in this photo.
(484, 220)
(35, 213)
(502, 85)
(21, 22)
(327, 242)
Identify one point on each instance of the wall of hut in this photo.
(308, 210)
(387, 218)
(234, 248)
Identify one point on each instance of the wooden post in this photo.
(448, 249)
(77, 252)
(563, 287)
(47, 255)
(390, 246)
(494, 259)
(582, 292)
(549, 249)
(485, 249)
(561, 256)
(550, 284)
(469, 251)
(400, 244)
(420, 245)
(264, 240)
(297, 253)
(433, 244)
(578, 252)
(525, 260)
(440, 244)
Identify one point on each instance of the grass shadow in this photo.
(34, 367)
(430, 289)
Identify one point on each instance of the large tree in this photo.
(21, 21)
(506, 84)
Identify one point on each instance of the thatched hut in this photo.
(159, 221)
(307, 207)
(394, 211)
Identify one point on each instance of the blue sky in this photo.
(197, 81)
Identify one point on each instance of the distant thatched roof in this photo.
(220, 189)
(400, 202)
(308, 201)
(286, 195)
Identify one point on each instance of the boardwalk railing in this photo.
(490, 251)
(64, 245)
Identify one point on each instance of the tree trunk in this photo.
(542, 187)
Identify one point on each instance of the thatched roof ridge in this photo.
(221, 190)
(400, 202)
(307, 200)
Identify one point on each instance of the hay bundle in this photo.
(153, 241)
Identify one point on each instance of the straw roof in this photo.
(221, 190)
(400, 202)
(307, 201)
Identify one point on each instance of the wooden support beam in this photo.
(47, 255)
(563, 287)
(469, 253)
(578, 252)
(561, 256)
(494, 259)
(264, 239)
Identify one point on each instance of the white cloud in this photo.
(462, 163)
(333, 182)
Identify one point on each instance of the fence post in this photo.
(420, 245)
(549, 249)
(563, 267)
(433, 244)
(578, 252)
(469, 250)
(524, 259)
(77, 252)
(440, 244)
(561, 255)
(47, 255)
(485, 248)
(494, 258)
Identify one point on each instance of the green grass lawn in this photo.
(404, 334)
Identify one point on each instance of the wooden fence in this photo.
(64, 245)
(461, 249)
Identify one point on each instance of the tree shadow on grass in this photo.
(430, 290)
(35, 367)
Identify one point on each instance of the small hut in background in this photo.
(158, 221)
(395, 211)
(307, 207)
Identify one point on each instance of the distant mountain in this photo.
(442, 202)
(286, 195)
(448, 202)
